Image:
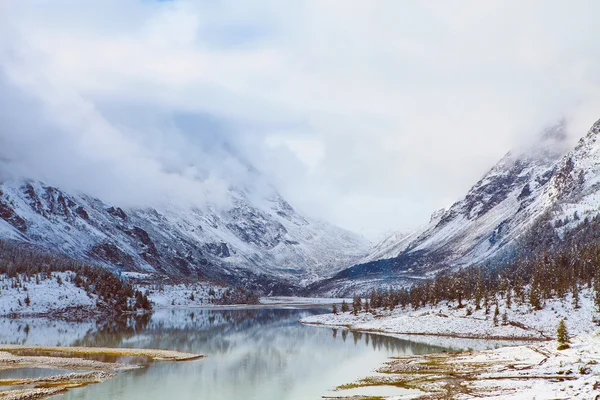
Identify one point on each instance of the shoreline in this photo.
(516, 322)
(519, 372)
(83, 360)
(431, 334)
(77, 313)
(527, 366)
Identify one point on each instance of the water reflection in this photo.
(253, 353)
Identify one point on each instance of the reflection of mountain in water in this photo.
(215, 329)
(252, 353)
(218, 330)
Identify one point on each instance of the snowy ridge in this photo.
(543, 179)
(575, 188)
(390, 247)
(262, 244)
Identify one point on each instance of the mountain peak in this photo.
(495, 212)
(556, 132)
(261, 243)
(592, 133)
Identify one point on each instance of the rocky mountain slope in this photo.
(543, 181)
(263, 244)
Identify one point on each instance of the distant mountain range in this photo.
(263, 244)
(545, 180)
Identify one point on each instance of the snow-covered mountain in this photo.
(264, 244)
(545, 180)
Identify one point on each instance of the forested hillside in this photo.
(29, 273)
(547, 267)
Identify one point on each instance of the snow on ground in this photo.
(448, 319)
(45, 296)
(506, 379)
(277, 300)
(534, 371)
(181, 295)
(526, 372)
(136, 275)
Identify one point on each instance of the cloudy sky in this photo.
(369, 114)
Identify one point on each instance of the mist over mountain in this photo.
(242, 121)
(544, 183)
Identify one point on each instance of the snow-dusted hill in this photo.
(544, 180)
(263, 244)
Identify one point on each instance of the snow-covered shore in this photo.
(521, 322)
(535, 371)
(529, 371)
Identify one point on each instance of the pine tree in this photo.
(334, 308)
(562, 335)
(479, 290)
(576, 296)
(496, 314)
(597, 292)
(344, 306)
(505, 318)
(356, 304)
(534, 297)
(486, 303)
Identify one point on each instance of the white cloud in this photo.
(370, 114)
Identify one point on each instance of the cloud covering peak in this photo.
(369, 114)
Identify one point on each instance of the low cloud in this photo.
(370, 115)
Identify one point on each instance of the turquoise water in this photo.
(252, 354)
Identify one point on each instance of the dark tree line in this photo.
(545, 266)
(24, 264)
(236, 295)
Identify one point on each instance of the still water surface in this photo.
(253, 354)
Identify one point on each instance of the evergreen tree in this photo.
(576, 296)
(562, 335)
(496, 314)
(344, 306)
(356, 304)
(597, 293)
(335, 310)
(486, 303)
(479, 290)
(534, 297)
